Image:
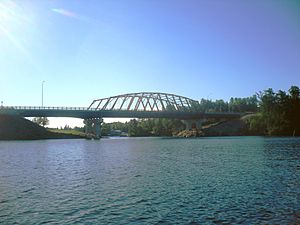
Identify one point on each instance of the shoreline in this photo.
(16, 128)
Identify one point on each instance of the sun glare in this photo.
(14, 28)
(7, 12)
(9, 17)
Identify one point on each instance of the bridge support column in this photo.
(193, 124)
(97, 127)
(88, 126)
(93, 127)
(188, 124)
(199, 123)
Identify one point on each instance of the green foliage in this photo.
(105, 129)
(144, 127)
(42, 121)
(249, 104)
(195, 106)
(257, 125)
(279, 112)
(68, 131)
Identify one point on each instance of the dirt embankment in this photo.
(18, 128)
(235, 127)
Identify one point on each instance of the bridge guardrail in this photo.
(46, 108)
(4, 108)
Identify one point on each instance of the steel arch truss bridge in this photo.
(147, 102)
(135, 105)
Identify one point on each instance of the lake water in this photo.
(230, 180)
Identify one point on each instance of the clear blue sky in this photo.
(93, 49)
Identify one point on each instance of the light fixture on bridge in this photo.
(43, 93)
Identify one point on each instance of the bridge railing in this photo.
(94, 109)
(46, 108)
(73, 108)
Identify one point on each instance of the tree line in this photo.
(279, 113)
(248, 104)
(145, 127)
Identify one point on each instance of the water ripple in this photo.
(233, 180)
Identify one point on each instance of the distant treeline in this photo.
(248, 104)
(279, 113)
(145, 127)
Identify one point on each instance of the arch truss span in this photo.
(146, 101)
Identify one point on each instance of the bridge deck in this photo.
(85, 113)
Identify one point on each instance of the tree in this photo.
(133, 127)
(293, 111)
(294, 92)
(42, 121)
(279, 112)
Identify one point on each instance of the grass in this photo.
(69, 132)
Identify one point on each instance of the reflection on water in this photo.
(231, 180)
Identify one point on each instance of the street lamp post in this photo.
(43, 93)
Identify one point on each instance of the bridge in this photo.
(133, 105)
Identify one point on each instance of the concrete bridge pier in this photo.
(193, 124)
(93, 126)
(199, 123)
(188, 124)
(97, 125)
(88, 126)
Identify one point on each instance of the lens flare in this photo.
(66, 13)
(7, 12)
